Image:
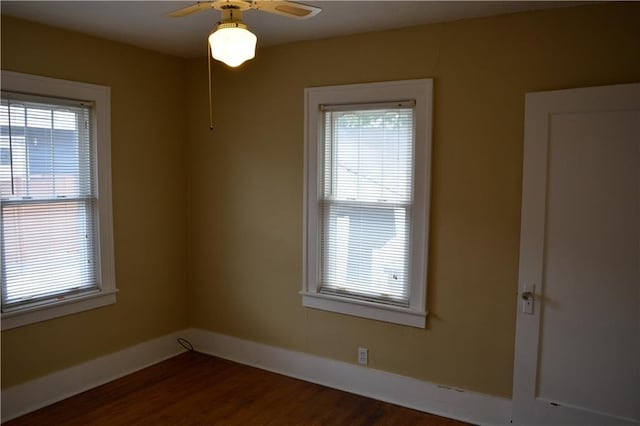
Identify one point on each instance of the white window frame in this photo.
(420, 90)
(100, 97)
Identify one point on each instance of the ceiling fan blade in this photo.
(287, 8)
(194, 8)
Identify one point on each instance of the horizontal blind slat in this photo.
(368, 106)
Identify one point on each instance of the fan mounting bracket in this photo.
(240, 5)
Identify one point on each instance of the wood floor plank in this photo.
(197, 389)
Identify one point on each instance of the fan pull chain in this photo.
(210, 102)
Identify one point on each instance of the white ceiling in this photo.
(145, 24)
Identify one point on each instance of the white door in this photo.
(577, 357)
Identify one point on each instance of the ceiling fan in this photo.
(231, 42)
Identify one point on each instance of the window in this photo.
(367, 167)
(55, 222)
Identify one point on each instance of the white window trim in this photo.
(421, 91)
(101, 98)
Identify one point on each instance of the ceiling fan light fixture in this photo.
(232, 43)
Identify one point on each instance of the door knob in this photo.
(527, 295)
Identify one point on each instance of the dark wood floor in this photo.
(197, 389)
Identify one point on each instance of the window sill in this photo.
(57, 308)
(364, 309)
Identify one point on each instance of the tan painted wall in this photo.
(246, 182)
(148, 173)
(243, 184)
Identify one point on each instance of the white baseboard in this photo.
(29, 396)
(457, 404)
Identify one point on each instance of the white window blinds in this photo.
(365, 208)
(48, 199)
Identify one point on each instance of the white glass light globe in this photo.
(232, 45)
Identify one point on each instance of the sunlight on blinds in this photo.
(365, 206)
(48, 200)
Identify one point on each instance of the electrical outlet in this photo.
(363, 356)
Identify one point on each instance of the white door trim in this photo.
(539, 108)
